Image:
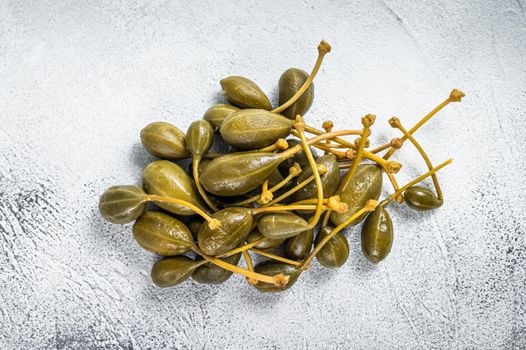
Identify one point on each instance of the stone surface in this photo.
(78, 80)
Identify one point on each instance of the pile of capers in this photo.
(276, 193)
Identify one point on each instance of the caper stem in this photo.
(369, 206)
(200, 189)
(243, 248)
(330, 145)
(314, 167)
(275, 257)
(280, 144)
(310, 201)
(285, 208)
(233, 268)
(424, 155)
(357, 158)
(454, 96)
(273, 189)
(291, 191)
(324, 136)
(381, 148)
(327, 126)
(213, 223)
(250, 266)
(323, 49)
(415, 181)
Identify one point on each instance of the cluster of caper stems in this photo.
(252, 126)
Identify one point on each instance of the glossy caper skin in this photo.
(366, 184)
(244, 93)
(421, 198)
(195, 226)
(297, 247)
(266, 244)
(280, 225)
(377, 235)
(164, 140)
(300, 158)
(330, 180)
(289, 83)
(271, 268)
(167, 179)
(254, 128)
(199, 138)
(335, 252)
(217, 113)
(213, 274)
(235, 227)
(172, 271)
(235, 174)
(122, 204)
(162, 234)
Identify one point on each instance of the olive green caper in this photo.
(162, 234)
(366, 184)
(199, 138)
(299, 246)
(377, 235)
(173, 271)
(421, 198)
(335, 252)
(235, 227)
(329, 180)
(280, 225)
(122, 204)
(217, 113)
(289, 83)
(254, 128)
(167, 179)
(244, 93)
(164, 140)
(266, 244)
(213, 274)
(195, 226)
(272, 268)
(238, 173)
(300, 158)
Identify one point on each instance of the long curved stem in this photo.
(200, 189)
(243, 248)
(424, 155)
(213, 223)
(369, 206)
(291, 191)
(454, 96)
(323, 49)
(275, 257)
(250, 266)
(275, 280)
(273, 189)
(358, 157)
(285, 208)
(314, 167)
(324, 136)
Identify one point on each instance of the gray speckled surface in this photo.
(78, 81)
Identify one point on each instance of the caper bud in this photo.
(122, 204)
(164, 140)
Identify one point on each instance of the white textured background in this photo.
(79, 80)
